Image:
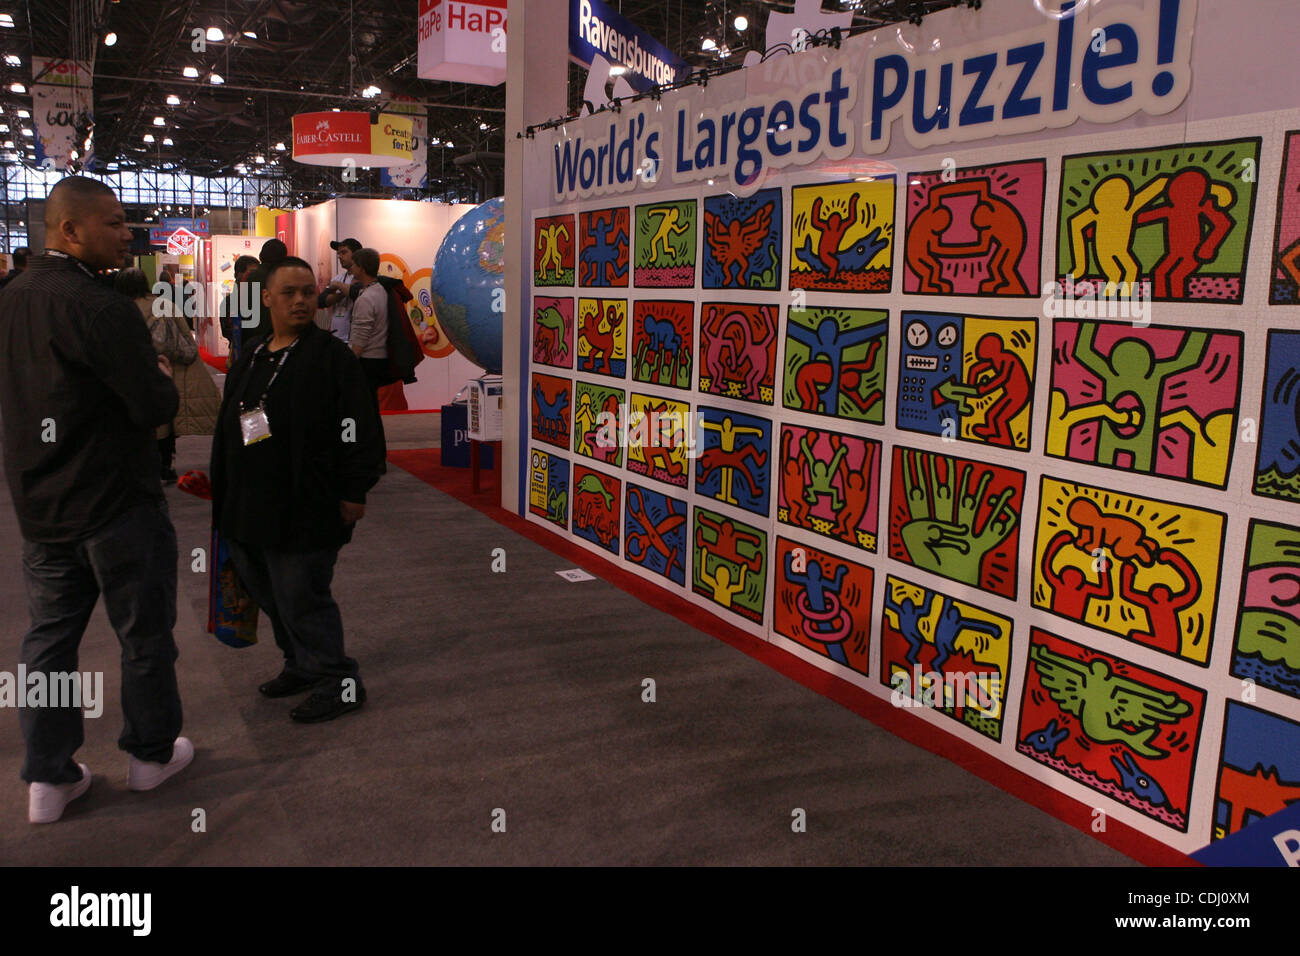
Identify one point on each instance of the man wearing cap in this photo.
(336, 296)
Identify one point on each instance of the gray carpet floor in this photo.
(511, 696)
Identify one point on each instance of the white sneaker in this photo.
(145, 775)
(47, 801)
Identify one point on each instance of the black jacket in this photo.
(81, 394)
(327, 388)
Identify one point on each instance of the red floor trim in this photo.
(426, 464)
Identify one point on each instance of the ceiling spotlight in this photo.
(23, 114)
(167, 141)
(371, 91)
(159, 121)
(483, 126)
(109, 38)
(741, 23)
(435, 141)
(9, 144)
(13, 59)
(215, 79)
(450, 145)
(335, 110)
(281, 147)
(173, 99)
(17, 87)
(4, 127)
(190, 73)
(27, 132)
(215, 35)
(259, 159)
(241, 168)
(617, 70)
(148, 137)
(250, 34)
(7, 21)
(708, 44)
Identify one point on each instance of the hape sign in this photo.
(462, 41)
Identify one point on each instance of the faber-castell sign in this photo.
(1100, 66)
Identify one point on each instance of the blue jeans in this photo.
(293, 590)
(132, 562)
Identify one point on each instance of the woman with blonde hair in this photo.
(200, 398)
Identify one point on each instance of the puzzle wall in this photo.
(964, 362)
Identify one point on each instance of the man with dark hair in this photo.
(369, 338)
(337, 295)
(297, 446)
(233, 311)
(81, 391)
(258, 325)
(20, 265)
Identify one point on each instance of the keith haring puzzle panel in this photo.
(1122, 730)
(742, 241)
(603, 245)
(552, 405)
(663, 342)
(1277, 470)
(1173, 223)
(1142, 569)
(1284, 287)
(730, 564)
(946, 655)
(665, 245)
(738, 350)
(1259, 774)
(602, 336)
(830, 484)
(1267, 649)
(548, 487)
(1150, 399)
(554, 239)
(842, 236)
(596, 501)
(656, 532)
(967, 377)
(975, 231)
(957, 518)
(658, 439)
(553, 331)
(823, 602)
(835, 362)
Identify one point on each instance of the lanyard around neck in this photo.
(60, 254)
(284, 357)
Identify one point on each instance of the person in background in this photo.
(369, 336)
(157, 312)
(81, 392)
(20, 265)
(337, 295)
(232, 312)
(298, 446)
(258, 325)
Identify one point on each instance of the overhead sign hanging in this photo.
(351, 139)
(61, 97)
(597, 29)
(462, 41)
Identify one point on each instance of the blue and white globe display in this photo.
(468, 273)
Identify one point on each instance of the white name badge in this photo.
(254, 426)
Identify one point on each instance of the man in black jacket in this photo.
(81, 391)
(297, 447)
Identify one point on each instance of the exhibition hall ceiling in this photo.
(215, 110)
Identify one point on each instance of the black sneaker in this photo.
(326, 705)
(286, 685)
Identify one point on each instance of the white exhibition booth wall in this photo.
(407, 236)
